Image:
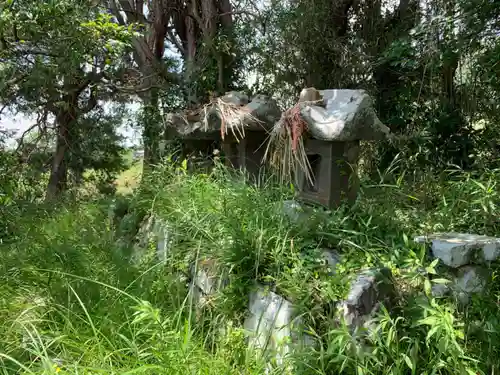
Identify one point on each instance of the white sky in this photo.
(19, 123)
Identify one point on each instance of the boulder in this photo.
(300, 213)
(207, 278)
(178, 125)
(458, 249)
(323, 259)
(369, 289)
(294, 211)
(348, 116)
(332, 258)
(162, 232)
(153, 229)
(236, 98)
(470, 280)
(265, 109)
(440, 290)
(272, 325)
(262, 108)
(141, 240)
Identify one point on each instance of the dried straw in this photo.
(232, 116)
(285, 150)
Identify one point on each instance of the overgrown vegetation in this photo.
(76, 295)
(72, 302)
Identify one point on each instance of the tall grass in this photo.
(72, 302)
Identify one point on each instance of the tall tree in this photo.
(60, 60)
(100, 147)
(429, 65)
(152, 67)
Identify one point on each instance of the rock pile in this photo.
(467, 257)
(272, 324)
(234, 110)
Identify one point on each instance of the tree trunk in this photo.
(450, 58)
(324, 67)
(387, 77)
(189, 60)
(153, 127)
(59, 171)
(450, 65)
(77, 177)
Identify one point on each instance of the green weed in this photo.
(72, 303)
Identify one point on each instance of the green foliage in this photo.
(99, 147)
(45, 47)
(19, 181)
(72, 302)
(206, 76)
(68, 283)
(430, 67)
(61, 62)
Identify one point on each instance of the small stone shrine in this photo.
(336, 128)
(334, 123)
(233, 123)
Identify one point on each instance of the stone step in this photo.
(458, 249)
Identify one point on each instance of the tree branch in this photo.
(133, 13)
(13, 81)
(194, 13)
(116, 12)
(178, 44)
(42, 119)
(91, 103)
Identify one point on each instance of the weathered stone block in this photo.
(440, 290)
(333, 166)
(370, 288)
(294, 211)
(332, 259)
(155, 230)
(470, 280)
(247, 153)
(236, 98)
(348, 116)
(163, 236)
(263, 108)
(273, 326)
(207, 278)
(458, 249)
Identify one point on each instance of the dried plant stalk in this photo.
(232, 117)
(285, 150)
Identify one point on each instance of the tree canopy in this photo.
(61, 60)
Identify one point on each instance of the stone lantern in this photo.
(333, 147)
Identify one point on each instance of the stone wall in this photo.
(272, 323)
(466, 259)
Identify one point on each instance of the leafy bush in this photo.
(71, 302)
